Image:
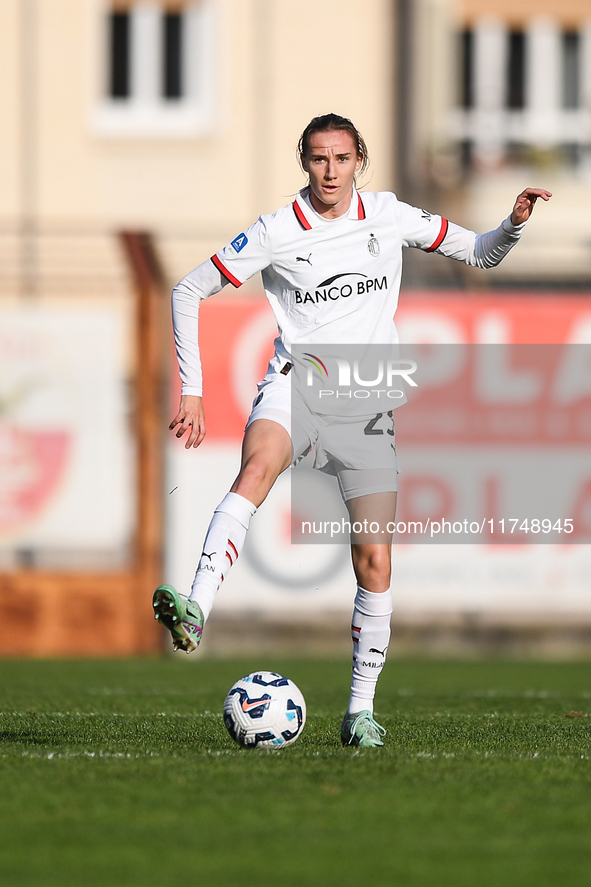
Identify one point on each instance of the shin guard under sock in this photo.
(370, 631)
(223, 543)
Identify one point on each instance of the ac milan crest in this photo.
(373, 246)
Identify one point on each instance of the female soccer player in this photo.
(329, 230)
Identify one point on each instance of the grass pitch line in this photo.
(109, 714)
(52, 756)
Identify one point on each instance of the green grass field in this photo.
(121, 773)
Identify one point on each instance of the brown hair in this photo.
(326, 123)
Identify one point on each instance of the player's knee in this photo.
(372, 564)
(255, 475)
(257, 469)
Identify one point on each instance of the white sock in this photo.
(223, 543)
(370, 630)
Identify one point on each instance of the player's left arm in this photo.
(489, 249)
(524, 205)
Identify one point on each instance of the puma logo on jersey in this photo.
(205, 554)
(300, 259)
(381, 652)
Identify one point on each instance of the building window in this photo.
(158, 68)
(467, 69)
(539, 70)
(571, 65)
(173, 56)
(119, 55)
(516, 70)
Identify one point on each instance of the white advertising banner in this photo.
(66, 453)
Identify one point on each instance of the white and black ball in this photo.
(264, 710)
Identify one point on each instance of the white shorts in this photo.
(360, 451)
(273, 402)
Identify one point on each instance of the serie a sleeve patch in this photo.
(239, 242)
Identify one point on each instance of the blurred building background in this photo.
(138, 137)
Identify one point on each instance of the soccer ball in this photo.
(264, 710)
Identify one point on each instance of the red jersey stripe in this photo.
(360, 209)
(440, 237)
(300, 216)
(221, 267)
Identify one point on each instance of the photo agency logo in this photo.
(372, 375)
(493, 440)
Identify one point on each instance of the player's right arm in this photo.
(191, 418)
(243, 257)
(202, 282)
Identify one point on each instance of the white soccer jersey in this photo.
(328, 280)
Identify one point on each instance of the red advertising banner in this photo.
(442, 479)
(237, 335)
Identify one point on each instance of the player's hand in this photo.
(524, 205)
(191, 418)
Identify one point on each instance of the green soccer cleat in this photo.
(181, 616)
(359, 728)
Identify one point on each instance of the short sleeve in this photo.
(248, 253)
(420, 228)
